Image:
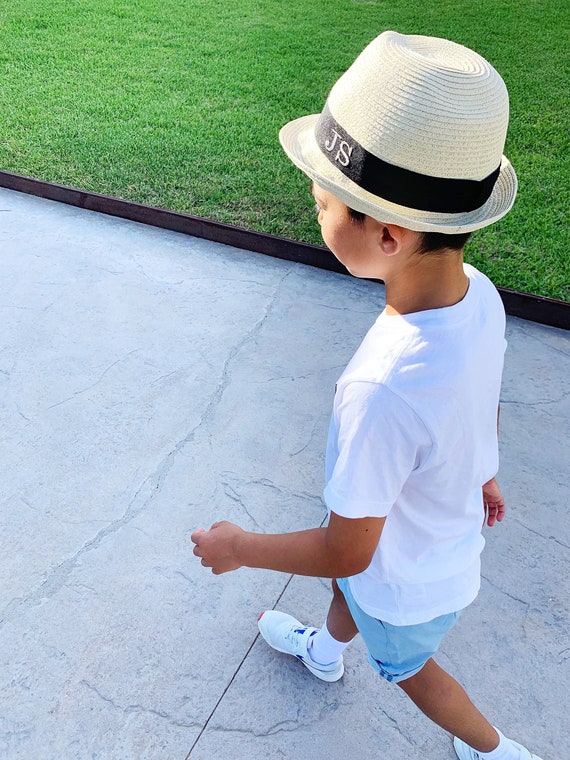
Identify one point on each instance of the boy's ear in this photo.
(390, 239)
(393, 238)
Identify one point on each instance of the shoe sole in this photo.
(464, 751)
(335, 675)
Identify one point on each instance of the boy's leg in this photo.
(442, 699)
(338, 631)
(339, 620)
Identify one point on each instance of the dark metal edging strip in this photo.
(546, 311)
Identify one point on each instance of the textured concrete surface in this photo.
(151, 383)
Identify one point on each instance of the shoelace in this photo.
(293, 633)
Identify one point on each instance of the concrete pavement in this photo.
(152, 383)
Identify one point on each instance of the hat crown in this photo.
(425, 104)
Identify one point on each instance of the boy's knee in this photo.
(430, 680)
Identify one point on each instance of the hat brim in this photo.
(298, 141)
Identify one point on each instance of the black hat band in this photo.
(395, 184)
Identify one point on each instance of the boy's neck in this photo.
(428, 281)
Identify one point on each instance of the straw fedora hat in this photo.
(412, 134)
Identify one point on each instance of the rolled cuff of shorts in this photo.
(397, 652)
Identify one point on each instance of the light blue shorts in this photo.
(397, 652)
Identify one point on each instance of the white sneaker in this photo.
(465, 752)
(285, 634)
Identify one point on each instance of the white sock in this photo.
(324, 649)
(507, 750)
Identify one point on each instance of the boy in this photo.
(406, 160)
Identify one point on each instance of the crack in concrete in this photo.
(187, 578)
(394, 723)
(321, 371)
(14, 306)
(128, 709)
(232, 494)
(57, 577)
(541, 535)
(217, 395)
(93, 385)
(225, 379)
(549, 402)
(280, 727)
(291, 725)
(317, 431)
(287, 725)
(150, 278)
(21, 413)
(267, 483)
(373, 311)
(506, 593)
(49, 513)
(532, 335)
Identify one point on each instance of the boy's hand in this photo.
(493, 503)
(217, 546)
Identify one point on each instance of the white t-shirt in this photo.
(413, 437)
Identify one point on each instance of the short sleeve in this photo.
(376, 441)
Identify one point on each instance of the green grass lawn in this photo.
(177, 103)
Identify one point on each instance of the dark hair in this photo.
(436, 241)
(356, 216)
(429, 241)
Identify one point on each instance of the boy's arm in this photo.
(345, 547)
